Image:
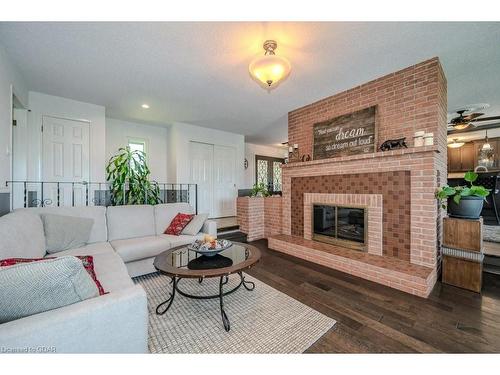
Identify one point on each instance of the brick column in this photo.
(259, 217)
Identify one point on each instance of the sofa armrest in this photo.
(210, 227)
(113, 323)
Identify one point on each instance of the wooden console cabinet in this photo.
(463, 253)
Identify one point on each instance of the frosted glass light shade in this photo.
(269, 70)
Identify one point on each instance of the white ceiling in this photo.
(198, 72)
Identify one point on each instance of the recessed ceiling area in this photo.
(198, 72)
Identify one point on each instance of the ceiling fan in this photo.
(465, 121)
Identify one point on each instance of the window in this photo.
(268, 172)
(137, 144)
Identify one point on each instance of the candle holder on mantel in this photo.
(293, 153)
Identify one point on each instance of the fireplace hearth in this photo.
(340, 225)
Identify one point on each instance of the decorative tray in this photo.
(210, 248)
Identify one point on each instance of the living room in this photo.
(241, 187)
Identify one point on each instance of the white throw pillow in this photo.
(31, 288)
(65, 232)
(195, 225)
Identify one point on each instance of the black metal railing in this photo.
(60, 193)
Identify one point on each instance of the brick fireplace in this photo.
(370, 203)
(395, 187)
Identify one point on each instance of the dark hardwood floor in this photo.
(372, 318)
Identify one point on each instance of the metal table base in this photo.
(248, 285)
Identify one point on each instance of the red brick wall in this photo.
(394, 187)
(259, 217)
(409, 100)
(272, 216)
(422, 163)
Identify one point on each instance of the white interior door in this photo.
(65, 159)
(201, 173)
(225, 191)
(19, 155)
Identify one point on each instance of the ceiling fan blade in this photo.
(476, 127)
(472, 116)
(491, 118)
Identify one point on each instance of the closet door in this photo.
(66, 158)
(201, 173)
(225, 191)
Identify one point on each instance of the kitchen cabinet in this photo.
(465, 158)
(454, 159)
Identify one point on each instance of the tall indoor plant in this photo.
(464, 201)
(128, 174)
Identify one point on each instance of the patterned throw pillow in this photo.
(178, 223)
(29, 288)
(87, 260)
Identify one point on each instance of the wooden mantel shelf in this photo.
(372, 155)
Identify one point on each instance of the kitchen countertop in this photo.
(462, 174)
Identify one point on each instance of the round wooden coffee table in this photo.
(181, 263)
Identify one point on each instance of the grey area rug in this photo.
(491, 233)
(262, 321)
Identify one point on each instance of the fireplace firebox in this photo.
(340, 225)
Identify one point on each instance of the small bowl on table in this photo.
(210, 248)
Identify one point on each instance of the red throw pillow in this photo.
(178, 223)
(87, 260)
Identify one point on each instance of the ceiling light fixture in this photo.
(486, 155)
(269, 70)
(455, 144)
(461, 126)
(145, 106)
(486, 145)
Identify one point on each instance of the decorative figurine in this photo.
(392, 144)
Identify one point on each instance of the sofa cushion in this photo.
(108, 265)
(65, 232)
(139, 248)
(30, 288)
(195, 225)
(99, 232)
(21, 236)
(111, 272)
(178, 224)
(130, 221)
(182, 239)
(90, 249)
(87, 261)
(164, 214)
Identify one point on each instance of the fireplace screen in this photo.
(340, 225)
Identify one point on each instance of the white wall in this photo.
(49, 105)
(118, 133)
(250, 151)
(180, 134)
(9, 76)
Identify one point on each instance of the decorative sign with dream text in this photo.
(345, 135)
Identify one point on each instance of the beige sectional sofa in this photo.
(123, 241)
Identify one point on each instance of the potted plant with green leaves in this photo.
(128, 174)
(259, 190)
(464, 201)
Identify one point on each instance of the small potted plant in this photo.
(259, 190)
(464, 201)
